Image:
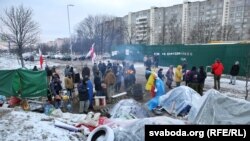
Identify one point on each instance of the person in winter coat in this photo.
(169, 75)
(95, 69)
(178, 75)
(193, 79)
(66, 70)
(49, 73)
(72, 72)
(202, 75)
(147, 73)
(85, 72)
(97, 82)
(90, 91)
(110, 80)
(234, 72)
(160, 74)
(35, 68)
(69, 85)
(217, 69)
(56, 87)
(118, 78)
(83, 96)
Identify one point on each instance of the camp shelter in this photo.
(23, 83)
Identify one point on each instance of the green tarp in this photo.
(23, 83)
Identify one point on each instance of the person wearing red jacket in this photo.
(217, 70)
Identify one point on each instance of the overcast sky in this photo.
(52, 14)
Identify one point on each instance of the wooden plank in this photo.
(118, 95)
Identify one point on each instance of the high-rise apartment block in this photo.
(219, 19)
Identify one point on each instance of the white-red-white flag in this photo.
(91, 53)
(41, 58)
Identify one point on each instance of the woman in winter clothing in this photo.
(69, 85)
(178, 75)
(234, 72)
(193, 79)
(170, 75)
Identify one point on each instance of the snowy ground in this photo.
(31, 126)
(9, 62)
(26, 126)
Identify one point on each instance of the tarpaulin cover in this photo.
(129, 109)
(216, 108)
(135, 130)
(178, 99)
(25, 83)
(160, 90)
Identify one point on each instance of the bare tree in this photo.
(129, 32)
(174, 30)
(203, 31)
(226, 33)
(20, 28)
(96, 29)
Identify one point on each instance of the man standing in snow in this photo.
(217, 69)
(83, 96)
(234, 72)
(56, 87)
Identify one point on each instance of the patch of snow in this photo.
(20, 125)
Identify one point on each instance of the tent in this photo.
(23, 83)
(179, 100)
(216, 108)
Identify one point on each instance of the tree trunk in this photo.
(20, 55)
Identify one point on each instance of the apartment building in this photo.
(174, 24)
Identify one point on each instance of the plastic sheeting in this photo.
(135, 131)
(178, 99)
(160, 90)
(25, 82)
(129, 109)
(216, 108)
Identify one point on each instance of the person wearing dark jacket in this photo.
(193, 79)
(85, 72)
(83, 96)
(56, 87)
(49, 73)
(97, 82)
(234, 72)
(160, 74)
(202, 75)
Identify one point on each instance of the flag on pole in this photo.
(91, 53)
(41, 58)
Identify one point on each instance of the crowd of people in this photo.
(106, 79)
(195, 77)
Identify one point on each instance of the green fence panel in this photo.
(196, 55)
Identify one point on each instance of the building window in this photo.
(238, 20)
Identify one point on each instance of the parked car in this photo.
(29, 58)
(106, 56)
(66, 58)
(82, 57)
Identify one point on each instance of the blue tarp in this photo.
(154, 102)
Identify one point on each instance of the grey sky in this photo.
(52, 14)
